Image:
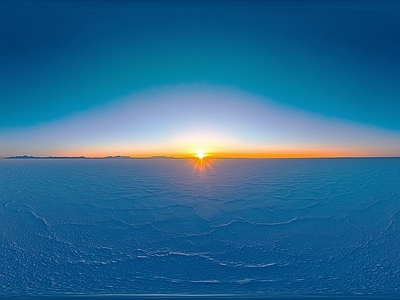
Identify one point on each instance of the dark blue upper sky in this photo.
(335, 58)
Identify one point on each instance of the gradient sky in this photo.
(241, 78)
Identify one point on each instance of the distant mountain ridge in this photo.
(41, 157)
(82, 157)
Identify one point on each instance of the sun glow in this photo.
(200, 154)
(201, 161)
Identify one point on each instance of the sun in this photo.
(201, 160)
(200, 154)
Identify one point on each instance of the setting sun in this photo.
(201, 160)
(200, 154)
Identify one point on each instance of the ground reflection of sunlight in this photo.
(201, 164)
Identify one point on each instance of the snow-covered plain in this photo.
(323, 227)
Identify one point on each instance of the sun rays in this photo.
(201, 161)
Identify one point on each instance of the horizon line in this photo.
(210, 157)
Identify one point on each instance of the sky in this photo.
(233, 78)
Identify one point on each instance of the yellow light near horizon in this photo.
(200, 154)
(199, 161)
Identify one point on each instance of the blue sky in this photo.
(332, 63)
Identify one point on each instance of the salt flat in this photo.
(254, 227)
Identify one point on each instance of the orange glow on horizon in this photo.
(201, 157)
(200, 154)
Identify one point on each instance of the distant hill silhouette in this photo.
(83, 157)
(42, 157)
